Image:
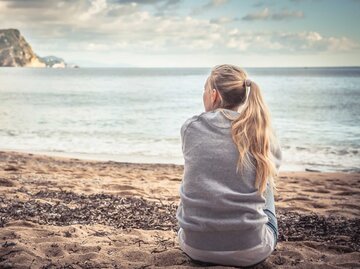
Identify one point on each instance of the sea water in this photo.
(135, 114)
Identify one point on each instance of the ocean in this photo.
(135, 114)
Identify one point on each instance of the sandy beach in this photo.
(70, 213)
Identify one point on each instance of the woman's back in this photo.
(220, 208)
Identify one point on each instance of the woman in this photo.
(226, 213)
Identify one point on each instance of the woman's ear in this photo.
(215, 96)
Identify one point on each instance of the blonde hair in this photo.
(251, 130)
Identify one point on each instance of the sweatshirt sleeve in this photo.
(269, 192)
(269, 198)
(269, 208)
(184, 128)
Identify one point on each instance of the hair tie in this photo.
(247, 84)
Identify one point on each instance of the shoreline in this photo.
(69, 213)
(95, 157)
(284, 168)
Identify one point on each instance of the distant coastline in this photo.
(15, 51)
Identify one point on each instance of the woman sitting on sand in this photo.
(226, 212)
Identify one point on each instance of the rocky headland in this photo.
(15, 51)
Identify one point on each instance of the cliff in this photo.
(15, 51)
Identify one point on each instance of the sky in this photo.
(189, 33)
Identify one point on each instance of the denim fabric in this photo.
(269, 210)
(272, 223)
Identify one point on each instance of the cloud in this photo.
(98, 27)
(314, 41)
(283, 15)
(287, 42)
(262, 15)
(223, 20)
(34, 4)
(266, 14)
(162, 6)
(145, 2)
(211, 4)
(96, 7)
(265, 3)
(216, 3)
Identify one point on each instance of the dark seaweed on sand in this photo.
(68, 208)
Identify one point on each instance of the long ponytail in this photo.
(251, 130)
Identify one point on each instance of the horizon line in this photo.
(153, 67)
(181, 67)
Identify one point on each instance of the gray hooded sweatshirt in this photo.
(220, 209)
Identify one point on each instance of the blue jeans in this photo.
(272, 223)
(269, 210)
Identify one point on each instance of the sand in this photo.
(69, 213)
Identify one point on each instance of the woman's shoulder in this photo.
(218, 118)
(190, 121)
